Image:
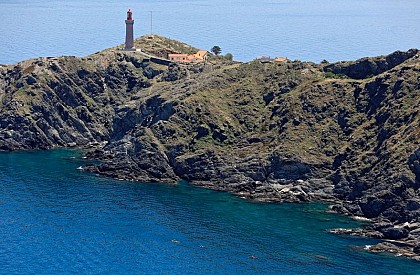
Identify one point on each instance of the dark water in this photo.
(55, 218)
(310, 30)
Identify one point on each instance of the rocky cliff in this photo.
(347, 133)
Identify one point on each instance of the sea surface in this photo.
(309, 30)
(57, 219)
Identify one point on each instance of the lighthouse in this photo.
(129, 40)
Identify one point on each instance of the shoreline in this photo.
(401, 247)
(279, 131)
(406, 247)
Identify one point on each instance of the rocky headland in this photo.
(347, 133)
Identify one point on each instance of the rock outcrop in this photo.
(369, 67)
(264, 131)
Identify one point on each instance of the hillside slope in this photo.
(292, 131)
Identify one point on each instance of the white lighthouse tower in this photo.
(129, 40)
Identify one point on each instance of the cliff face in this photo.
(269, 132)
(368, 67)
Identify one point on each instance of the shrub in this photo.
(333, 75)
(229, 56)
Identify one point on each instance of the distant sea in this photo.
(55, 219)
(309, 30)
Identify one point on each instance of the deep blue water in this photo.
(310, 30)
(55, 218)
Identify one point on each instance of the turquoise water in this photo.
(310, 30)
(55, 218)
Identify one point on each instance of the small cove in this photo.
(55, 218)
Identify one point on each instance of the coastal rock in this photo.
(174, 72)
(271, 132)
(394, 233)
(367, 67)
(414, 164)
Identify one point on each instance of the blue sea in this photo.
(57, 219)
(309, 30)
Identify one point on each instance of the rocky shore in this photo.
(347, 133)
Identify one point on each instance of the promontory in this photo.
(347, 133)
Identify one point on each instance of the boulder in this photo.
(394, 233)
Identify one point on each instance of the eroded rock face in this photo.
(368, 67)
(267, 132)
(414, 164)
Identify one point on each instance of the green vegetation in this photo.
(333, 75)
(216, 50)
(229, 56)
